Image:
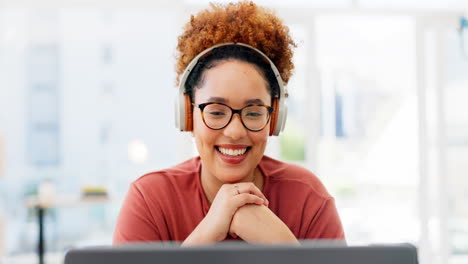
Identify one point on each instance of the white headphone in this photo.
(183, 105)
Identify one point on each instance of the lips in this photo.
(232, 154)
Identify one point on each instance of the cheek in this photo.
(204, 137)
(260, 138)
(196, 119)
(199, 128)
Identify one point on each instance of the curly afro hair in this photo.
(242, 22)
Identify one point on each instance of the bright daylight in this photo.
(134, 124)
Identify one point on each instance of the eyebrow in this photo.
(224, 101)
(254, 101)
(217, 100)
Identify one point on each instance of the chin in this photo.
(232, 175)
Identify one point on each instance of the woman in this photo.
(233, 61)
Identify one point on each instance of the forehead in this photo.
(233, 82)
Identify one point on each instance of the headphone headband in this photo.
(181, 112)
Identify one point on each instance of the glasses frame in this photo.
(235, 111)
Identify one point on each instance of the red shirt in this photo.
(169, 204)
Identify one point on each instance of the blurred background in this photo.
(377, 110)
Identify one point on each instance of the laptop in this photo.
(243, 253)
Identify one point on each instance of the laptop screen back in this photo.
(230, 253)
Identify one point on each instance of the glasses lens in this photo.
(216, 115)
(255, 117)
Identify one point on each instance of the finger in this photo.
(246, 198)
(249, 187)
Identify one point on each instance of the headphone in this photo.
(183, 104)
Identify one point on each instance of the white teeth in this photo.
(232, 152)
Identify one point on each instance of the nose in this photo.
(235, 129)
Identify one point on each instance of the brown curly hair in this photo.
(242, 22)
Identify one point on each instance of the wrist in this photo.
(194, 239)
(233, 228)
(258, 224)
(242, 216)
(201, 235)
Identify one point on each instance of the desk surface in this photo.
(65, 201)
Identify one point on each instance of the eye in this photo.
(254, 114)
(217, 113)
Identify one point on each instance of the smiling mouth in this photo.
(232, 152)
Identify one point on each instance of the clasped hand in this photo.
(241, 210)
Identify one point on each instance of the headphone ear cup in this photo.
(188, 113)
(180, 112)
(274, 117)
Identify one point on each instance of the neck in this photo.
(211, 184)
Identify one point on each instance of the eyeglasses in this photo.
(253, 117)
